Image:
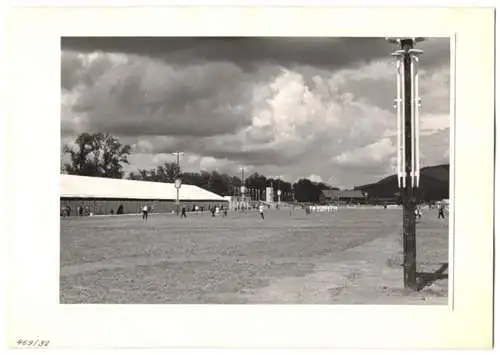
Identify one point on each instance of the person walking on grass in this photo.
(308, 210)
(183, 212)
(145, 211)
(66, 211)
(441, 211)
(261, 211)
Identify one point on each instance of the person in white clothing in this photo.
(261, 211)
(145, 211)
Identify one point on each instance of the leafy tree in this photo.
(205, 180)
(192, 179)
(235, 185)
(256, 181)
(97, 154)
(145, 175)
(306, 191)
(167, 172)
(134, 176)
(224, 184)
(228, 187)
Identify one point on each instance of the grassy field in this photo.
(350, 257)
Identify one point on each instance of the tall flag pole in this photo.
(407, 104)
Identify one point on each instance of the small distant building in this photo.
(329, 196)
(98, 196)
(342, 196)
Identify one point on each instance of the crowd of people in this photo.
(82, 211)
(221, 210)
(216, 209)
(440, 207)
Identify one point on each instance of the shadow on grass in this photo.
(426, 278)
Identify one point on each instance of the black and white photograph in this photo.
(261, 170)
(249, 177)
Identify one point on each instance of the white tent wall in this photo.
(101, 195)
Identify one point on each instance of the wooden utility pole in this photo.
(408, 104)
(408, 191)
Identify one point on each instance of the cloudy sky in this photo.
(296, 107)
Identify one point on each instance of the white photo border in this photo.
(33, 123)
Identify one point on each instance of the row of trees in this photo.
(102, 155)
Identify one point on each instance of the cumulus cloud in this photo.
(315, 178)
(371, 154)
(272, 107)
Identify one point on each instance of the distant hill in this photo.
(434, 184)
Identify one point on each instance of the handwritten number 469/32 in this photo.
(38, 343)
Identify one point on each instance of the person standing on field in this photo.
(145, 211)
(441, 211)
(261, 211)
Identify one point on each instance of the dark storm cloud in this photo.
(141, 96)
(325, 52)
(278, 104)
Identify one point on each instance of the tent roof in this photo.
(72, 186)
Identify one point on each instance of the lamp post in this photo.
(178, 182)
(407, 104)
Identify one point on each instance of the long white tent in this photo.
(74, 186)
